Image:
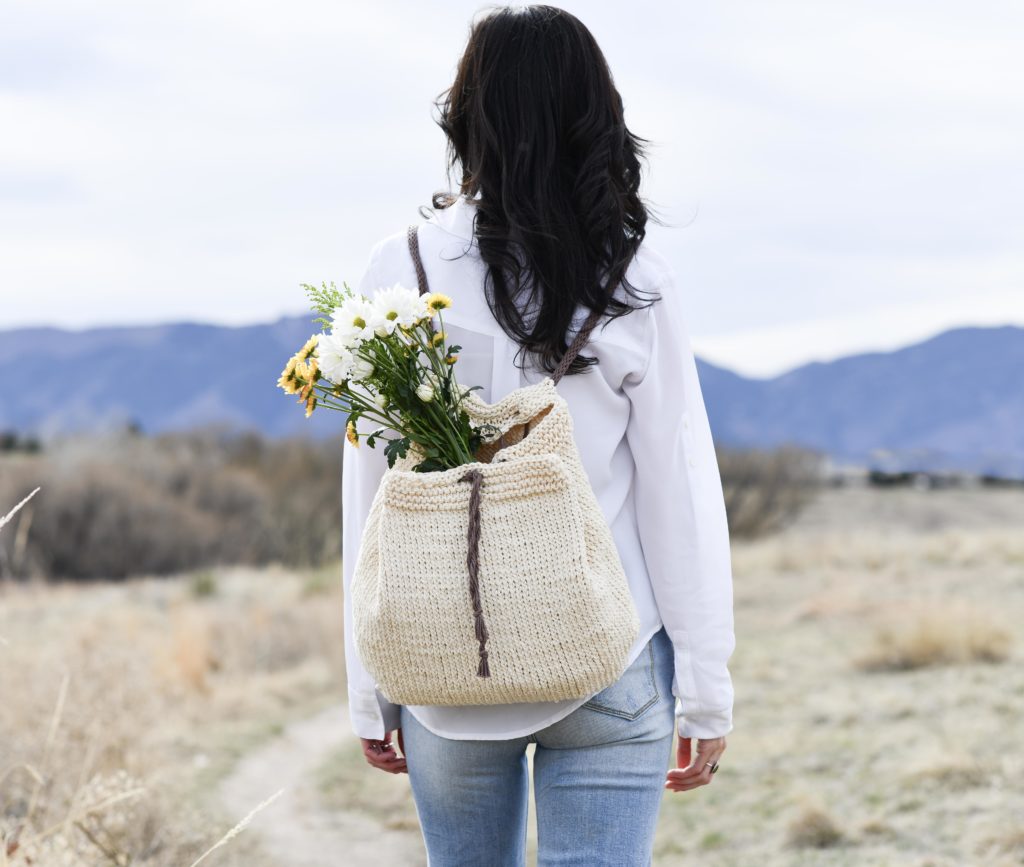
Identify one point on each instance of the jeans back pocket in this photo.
(633, 693)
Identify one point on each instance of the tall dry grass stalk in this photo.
(7, 518)
(26, 839)
(234, 832)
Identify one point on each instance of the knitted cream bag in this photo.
(496, 581)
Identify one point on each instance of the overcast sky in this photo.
(839, 176)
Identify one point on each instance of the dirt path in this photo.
(295, 830)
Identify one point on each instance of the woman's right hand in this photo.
(695, 773)
(382, 755)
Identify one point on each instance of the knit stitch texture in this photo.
(560, 619)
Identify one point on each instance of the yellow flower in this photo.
(287, 379)
(309, 347)
(287, 385)
(301, 373)
(438, 338)
(351, 435)
(436, 301)
(451, 359)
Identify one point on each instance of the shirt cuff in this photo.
(703, 727)
(372, 715)
(390, 711)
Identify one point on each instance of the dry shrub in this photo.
(877, 827)
(813, 828)
(122, 505)
(951, 774)
(766, 490)
(938, 633)
(834, 603)
(189, 653)
(1009, 842)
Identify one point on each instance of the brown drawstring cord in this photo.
(476, 478)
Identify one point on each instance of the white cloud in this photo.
(824, 166)
(775, 348)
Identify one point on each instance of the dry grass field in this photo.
(123, 706)
(879, 687)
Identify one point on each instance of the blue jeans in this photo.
(598, 774)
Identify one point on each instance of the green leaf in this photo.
(396, 448)
(353, 417)
(324, 299)
(430, 465)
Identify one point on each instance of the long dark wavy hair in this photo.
(535, 124)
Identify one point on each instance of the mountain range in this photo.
(953, 401)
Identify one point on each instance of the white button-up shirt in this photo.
(642, 431)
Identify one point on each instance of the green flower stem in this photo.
(431, 352)
(446, 443)
(453, 438)
(423, 435)
(444, 373)
(448, 373)
(369, 409)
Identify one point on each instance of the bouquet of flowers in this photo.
(386, 360)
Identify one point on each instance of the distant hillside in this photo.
(955, 400)
(163, 377)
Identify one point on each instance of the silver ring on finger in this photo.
(714, 767)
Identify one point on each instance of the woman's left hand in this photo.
(382, 755)
(690, 775)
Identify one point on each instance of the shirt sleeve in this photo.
(372, 715)
(682, 520)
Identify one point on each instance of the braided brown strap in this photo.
(414, 248)
(577, 344)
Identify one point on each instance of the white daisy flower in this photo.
(335, 356)
(396, 305)
(353, 320)
(381, 401)
(362, 369)
(425, 392)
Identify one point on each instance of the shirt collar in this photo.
(457, 219)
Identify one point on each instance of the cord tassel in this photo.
(476, 478)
